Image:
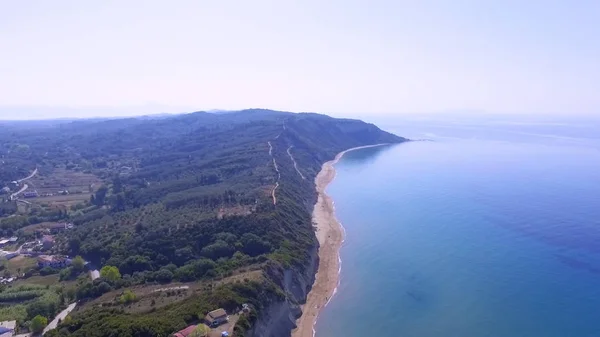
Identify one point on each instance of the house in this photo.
(47, 242)
(53, 261)
(31, 194)
(4, 242)
(59, 227)
(185, 332)
(7, 280)
(7, 328)
(216, 317)
(8, 255)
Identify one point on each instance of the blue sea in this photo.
(490, 229)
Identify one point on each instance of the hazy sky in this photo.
(340, 57)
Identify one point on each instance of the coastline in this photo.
(330, 234)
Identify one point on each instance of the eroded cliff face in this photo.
(278, 319)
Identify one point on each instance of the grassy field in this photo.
(19, 264)
(15, 299)
(65, 200)
(80, 186)
(30, 229)
(61, 179)
(39, 280)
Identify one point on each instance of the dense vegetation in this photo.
(185, 198)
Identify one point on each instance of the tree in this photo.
(163, 275)
(42, 307)
(38, 323)
(127, 297)
(100, 195)
(110, 273)
(253, 245)
(74, 246)
(118, 203)
(201, 331)
(78, 263)
(117, 185)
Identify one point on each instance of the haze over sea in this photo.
(490, 230)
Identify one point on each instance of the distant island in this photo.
(198, 223)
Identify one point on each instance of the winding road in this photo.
(12, 196)
(25, 186)
(276, 167)
(276, 170)
(29, 176)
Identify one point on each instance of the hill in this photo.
(211, 200)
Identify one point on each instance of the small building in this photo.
(59, 227)
(7, 328)
(53, 261)
(31, 194)
(8, 255)
(47, 242)
(185, 332)
(216, 317)
(3, 242)
(7, 280)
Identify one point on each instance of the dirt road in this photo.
(294, 161)
(29, 176)
(61, 316)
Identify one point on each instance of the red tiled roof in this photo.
(185, 332)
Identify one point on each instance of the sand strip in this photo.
(330, 235)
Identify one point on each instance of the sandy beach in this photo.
(330, 235)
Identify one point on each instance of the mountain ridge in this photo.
(204, 199)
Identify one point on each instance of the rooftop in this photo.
(185, 332)
(48, 238)
(217, 313)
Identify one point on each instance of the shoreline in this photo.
(330, 234)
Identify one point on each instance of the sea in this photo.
(483, 227)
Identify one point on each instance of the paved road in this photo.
(60, 316)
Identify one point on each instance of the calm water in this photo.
(492, 229)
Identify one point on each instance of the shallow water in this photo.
(486, 231)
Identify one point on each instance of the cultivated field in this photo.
(62, 188)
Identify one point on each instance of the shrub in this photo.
(38, 323)
(127, 297)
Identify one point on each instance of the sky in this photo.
(341, 57)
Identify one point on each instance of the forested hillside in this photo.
(199, 198)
